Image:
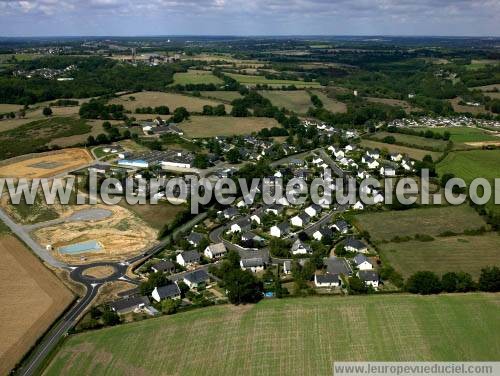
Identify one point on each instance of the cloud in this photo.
(449, 17)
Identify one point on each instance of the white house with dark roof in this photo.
(171, 291)
(241, 225)
(255, 264)
(165, 266)
(130, 304)
(300, 248)
(327, 280)
(341, 226)
(257, 218)
(215, 251)
(374, 153)
(322, 232)
(300, 220)
(313, 210)
(195, 238)
(361, 262)
(196, 279)
(188, 258)
(369, 277)
(388, 170)
(355, 245)
(280, 230)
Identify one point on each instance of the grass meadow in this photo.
(302, 336)
(256, 80)
(469, 165)
(330, 104)
(466, 134)
(196, 77)
(473, 164)
(433, 221)
(298, 101)
(412, 141)
(444, 254)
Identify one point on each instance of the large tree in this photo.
(424, 283)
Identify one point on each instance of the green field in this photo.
(445, 254)
(412, 141)
(469, 165)
(298, 101)
(196, 77)
(465, 134)
(226, 96)
(329, 103)
(255, 80)
(301, 336)
(385, 226)
(28, 138)
(211, 126)
(413, 153)
(473, 164)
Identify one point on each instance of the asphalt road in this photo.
(92, 285)
(22, 234)
(70, 318)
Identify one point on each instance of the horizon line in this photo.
(248, 36)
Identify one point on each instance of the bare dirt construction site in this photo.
(120, 235)
(44, 165)
(31, 299)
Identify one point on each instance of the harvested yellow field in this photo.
(211, 126)
(157, 98)
(9, 108)
(45, 165)
(121, 234)
(31, 299)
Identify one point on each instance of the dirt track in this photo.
(31, 299)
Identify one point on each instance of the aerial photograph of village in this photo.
(227, 187)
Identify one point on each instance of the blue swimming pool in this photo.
(83, 247)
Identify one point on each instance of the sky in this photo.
(249, 17)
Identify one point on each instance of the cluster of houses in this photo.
(328, 130)
(440, 122)
(339, 267)
(249, 228)
(47, 73)
(251, 148)
(158, 127)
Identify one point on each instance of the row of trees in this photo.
(421, 133)
(426, 282)
(160, 110)
(98, 109)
